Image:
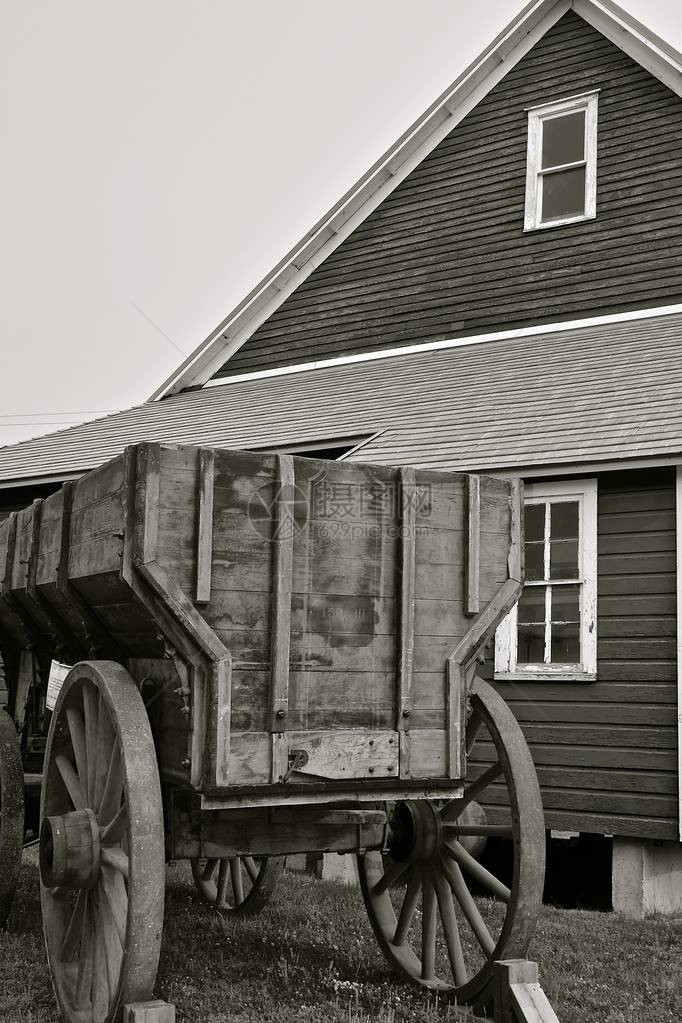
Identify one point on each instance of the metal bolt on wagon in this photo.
(270, 655)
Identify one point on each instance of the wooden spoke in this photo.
(465, 860)
(106, 738)
(450, 928)
(473, 728)
(114, 891)
(236, 878)
(113, 789)
(472, 792)
(77, 733)
(481, 830)
(428, 928)
(209, 870)
(70, 779)
(103, 926)
(393, 874)
(114, 857)
(469, 907)
(251, 887)
(252, 868)
(223, 875)
(113, 950)
(442, 843)
(74, 931)
(85, 967)
(115, 830)
(91, 713)
(408, 908)
(100, 980)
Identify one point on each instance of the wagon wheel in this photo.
(452, 944)
(238, 884)
(101, 845)
(11, 813)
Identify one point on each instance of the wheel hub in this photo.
(70, 850)
(416, 831)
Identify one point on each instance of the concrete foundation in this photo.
(343, 868)
(646, 877)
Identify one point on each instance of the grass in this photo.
(310, 957)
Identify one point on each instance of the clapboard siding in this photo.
(606, 752)
(445, 254)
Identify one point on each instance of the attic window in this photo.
(561, 175)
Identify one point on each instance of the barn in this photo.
(501, 293)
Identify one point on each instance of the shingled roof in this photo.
(606, 391)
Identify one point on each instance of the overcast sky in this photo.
(160, 156)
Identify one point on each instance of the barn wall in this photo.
(445, 254)
(606, 752)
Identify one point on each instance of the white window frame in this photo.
(506, 667)
(535, 175)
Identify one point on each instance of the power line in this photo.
(43, 412)
(156, 327)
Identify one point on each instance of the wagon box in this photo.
(284, 649)
(293, 623)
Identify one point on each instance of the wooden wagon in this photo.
(271, 655)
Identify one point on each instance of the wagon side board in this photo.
(301, 629)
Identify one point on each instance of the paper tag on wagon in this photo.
(58, 673)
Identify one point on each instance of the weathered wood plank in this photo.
(282, 584)
(341, 755)
(473, 545)
(205, 527)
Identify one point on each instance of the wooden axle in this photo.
(195, 834)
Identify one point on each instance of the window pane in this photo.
(531, 644)
(532, 604)
(535, 522)
(564, 520)
(566, 603)
(563, 559)
(565, 644)
(563, 194)
(563, 139)
(535, 561)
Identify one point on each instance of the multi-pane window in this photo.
(561, 179)
(552, 629)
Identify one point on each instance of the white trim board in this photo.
(457, 342)
(584, 491)
(579, 468)
(415, 144)
(678, 555)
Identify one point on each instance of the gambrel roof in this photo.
(415, 144)
(599, 392)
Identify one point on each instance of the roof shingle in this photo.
(608, 391)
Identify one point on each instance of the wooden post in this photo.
(205, 528)
(149, 1012)
(473, 552)
(283, 543)
(518, 995)
(408, 498)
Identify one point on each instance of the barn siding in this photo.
(445, 254)
(606, 752)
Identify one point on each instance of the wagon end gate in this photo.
(280, 583)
